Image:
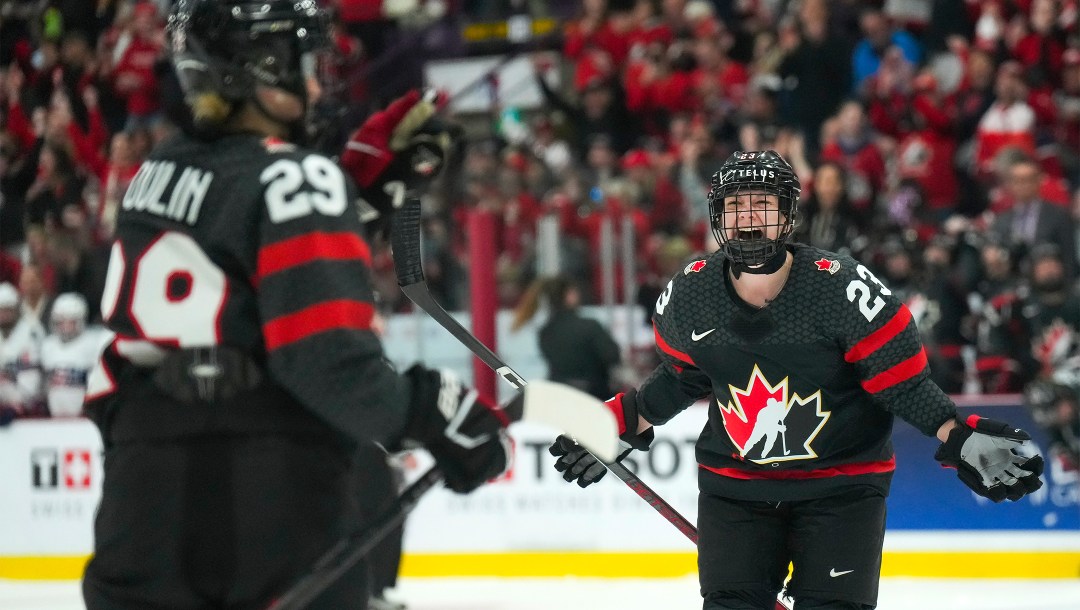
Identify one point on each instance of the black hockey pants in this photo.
(221, 522)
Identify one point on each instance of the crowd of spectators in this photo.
(936, 140)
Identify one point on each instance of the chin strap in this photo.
(770, 266)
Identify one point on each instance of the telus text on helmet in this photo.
(753, 174)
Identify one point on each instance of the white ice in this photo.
(630, 594)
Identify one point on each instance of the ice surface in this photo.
(630, 594)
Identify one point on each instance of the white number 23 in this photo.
(858, 289)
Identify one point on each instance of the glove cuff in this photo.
(641, 442)
(624, 406)
(949, 452)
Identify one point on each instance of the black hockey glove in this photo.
(578, 465)
(984, 454)
(466, 436)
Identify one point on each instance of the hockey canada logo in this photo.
(767, 423)
(693, 267)
(827, 265)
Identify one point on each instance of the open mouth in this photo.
(748, 234)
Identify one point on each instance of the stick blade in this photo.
(576, 414)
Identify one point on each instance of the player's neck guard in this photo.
(772, 265)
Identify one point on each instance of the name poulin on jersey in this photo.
(147, 192)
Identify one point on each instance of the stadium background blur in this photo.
(936, 140)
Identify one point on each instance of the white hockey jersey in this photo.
(66, 365)
(20, 366)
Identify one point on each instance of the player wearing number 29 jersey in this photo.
(244, 371)
(255, 244)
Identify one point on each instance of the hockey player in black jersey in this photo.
(244, 371)
(805, 357)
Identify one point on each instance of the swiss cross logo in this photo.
(694, 267)
(825, 264)
(72, 468)
(77, 469)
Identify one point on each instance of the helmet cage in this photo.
(745, 180)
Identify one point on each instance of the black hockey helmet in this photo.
(754, 172)
(222, 49)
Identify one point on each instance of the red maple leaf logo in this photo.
(825, 264)
(694, 267)
(768, 423)
(741, 417)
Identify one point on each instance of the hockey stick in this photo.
(553, 404)
(348, 551)
(405, 237)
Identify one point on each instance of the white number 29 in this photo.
(286, 198)
(858, 289)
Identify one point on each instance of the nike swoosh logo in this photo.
(834, 573)
(696, 337)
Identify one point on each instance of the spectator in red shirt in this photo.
(648, 28)
(655, 193)
(925, 154)
(854, 149)
(133, 74)
(1040, 51)
(518, 212)
(719, 81)
(1009, 121)
(598, 43)
(1067, 128)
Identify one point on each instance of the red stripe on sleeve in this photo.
(880, 337)
(901, 372)
(671, 351)
(328, 315)
(309, 247)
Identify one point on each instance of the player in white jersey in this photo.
(20, 366)
(68, 354)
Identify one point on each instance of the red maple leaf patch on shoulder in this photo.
(694, 267)
(825, 264)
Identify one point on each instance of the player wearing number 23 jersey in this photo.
(805, 357)
(798, 392)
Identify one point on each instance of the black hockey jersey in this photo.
(803, 390)
(253, 243)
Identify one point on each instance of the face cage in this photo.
(752, 251)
